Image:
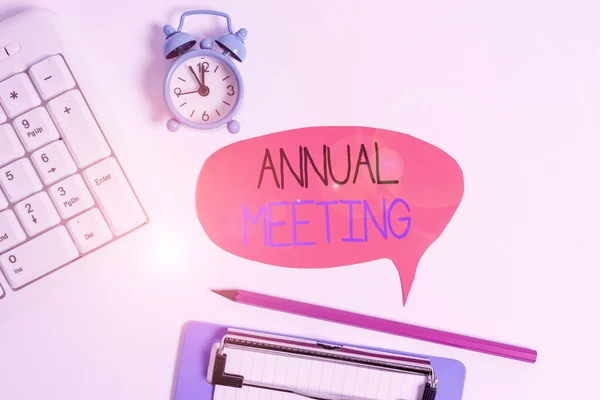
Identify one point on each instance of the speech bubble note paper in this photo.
(321, 197)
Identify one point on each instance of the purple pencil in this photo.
(380, 324)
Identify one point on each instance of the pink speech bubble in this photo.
(322, 197)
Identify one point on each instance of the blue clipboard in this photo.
(198, 337)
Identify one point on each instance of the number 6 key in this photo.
(53, 162)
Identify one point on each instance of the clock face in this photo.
(203, 89)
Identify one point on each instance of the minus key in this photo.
(51, 77)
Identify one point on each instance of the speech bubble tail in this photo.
(405, 292)
(407, 269)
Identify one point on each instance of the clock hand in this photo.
(193, 91)
(195, 76)
(204, 90)
(178, 92)
(202, 74)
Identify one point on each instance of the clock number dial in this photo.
(203, 90)
(204, 66)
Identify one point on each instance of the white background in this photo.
(510, 89)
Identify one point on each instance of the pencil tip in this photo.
(230, 294)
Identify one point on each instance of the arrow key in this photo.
(37, 213)
(53, 162)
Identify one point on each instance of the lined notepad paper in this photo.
(315, 377)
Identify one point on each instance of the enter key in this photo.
(115, 196)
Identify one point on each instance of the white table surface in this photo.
(511, 91)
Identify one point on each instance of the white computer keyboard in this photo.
(63, 193)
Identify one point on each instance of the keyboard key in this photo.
(38, 257)
(19, 180)
(13, 48)
(37, 213)
(51, 77)
(53, 162)
(3, 201)
(89, 230)
(2, 116)
(36, 128)
(10, 145)
(18, 95)
(71, 196)
(115, 196)
(11, 233)
(79, 129)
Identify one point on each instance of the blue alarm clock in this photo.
(203, 88)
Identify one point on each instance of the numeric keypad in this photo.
(62, 192)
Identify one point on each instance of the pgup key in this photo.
(35, 128)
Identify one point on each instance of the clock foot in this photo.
(233, 126)
(172, 125)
